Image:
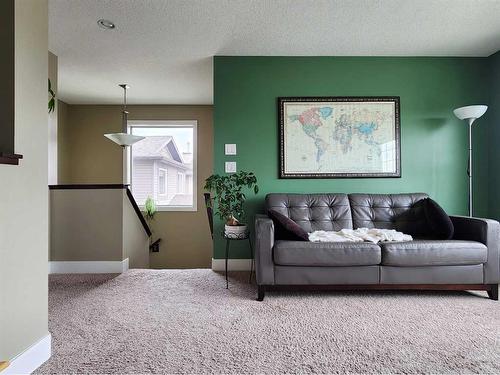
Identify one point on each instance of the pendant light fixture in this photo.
(124, 139)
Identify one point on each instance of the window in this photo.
(163, 165)
(162, 181)
(181, 183)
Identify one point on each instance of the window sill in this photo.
(11, 159)
(172, 209)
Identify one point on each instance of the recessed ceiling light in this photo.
(106, 24)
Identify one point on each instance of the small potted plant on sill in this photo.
(149, 214)
(230, 198)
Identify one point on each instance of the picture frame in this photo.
(339, 137)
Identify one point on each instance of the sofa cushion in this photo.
(438, 221)
(297, 253)
(384, 210)
(287, 229)
(313, 211)
(433, 253)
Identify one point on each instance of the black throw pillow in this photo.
(413, 221)
(286, 228)
(439, 222)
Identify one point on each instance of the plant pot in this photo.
(235, 230)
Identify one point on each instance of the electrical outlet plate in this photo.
(230, 149)
(230, 167)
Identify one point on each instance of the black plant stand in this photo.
(238, 237)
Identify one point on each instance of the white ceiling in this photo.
(164, 48)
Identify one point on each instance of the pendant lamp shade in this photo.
(124, 139)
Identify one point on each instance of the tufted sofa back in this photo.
(338, 211)
(386, 211)
(313, 211)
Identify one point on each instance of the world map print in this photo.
(339, 137)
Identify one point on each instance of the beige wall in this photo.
(52, 162)
(135, 239)
(63, 143)
(96, 225)
(86, 224)
(86, 156)
(23, 191)
(52, 157)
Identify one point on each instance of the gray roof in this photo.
(157, 146)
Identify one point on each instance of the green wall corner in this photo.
(493, 117)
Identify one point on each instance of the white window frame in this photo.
(127, 162)
(165, 185)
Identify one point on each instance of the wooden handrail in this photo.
(138, 212)
(88, 186)
(109, 186)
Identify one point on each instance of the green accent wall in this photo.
(433, 141)
(494, 137)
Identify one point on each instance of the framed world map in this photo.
(339, 137)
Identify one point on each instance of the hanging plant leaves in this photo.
(52, 99)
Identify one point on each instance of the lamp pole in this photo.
(124, 110)
(124, 139)
(470, 114)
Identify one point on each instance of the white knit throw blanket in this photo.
(359, 235)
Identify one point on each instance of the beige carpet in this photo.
(185, 321)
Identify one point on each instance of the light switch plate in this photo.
(230, 167)
(230, 148)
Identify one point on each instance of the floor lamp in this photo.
(470, 114)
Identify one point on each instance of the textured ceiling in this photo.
(164, 48)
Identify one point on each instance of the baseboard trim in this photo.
(32, 358)
(118, 266)
(232, 264)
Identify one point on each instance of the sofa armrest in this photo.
(264, 242)
(486, 231)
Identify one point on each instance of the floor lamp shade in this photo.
(470, 113)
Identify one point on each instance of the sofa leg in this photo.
(261, 292)
(493, 292)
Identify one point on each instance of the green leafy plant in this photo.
(52, 99)
(229, 195)
(149, 214)
(149, 209)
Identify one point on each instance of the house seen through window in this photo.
(163, 165)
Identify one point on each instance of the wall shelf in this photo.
(12, 159)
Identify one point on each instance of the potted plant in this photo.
(230, 198)
(149, 209)
(149, 214)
